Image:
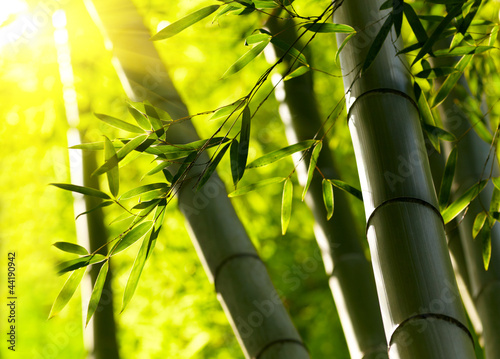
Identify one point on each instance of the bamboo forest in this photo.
(265, 179)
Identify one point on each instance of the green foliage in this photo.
(328, 198)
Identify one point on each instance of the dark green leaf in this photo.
(184, 167)
(341, 47)
(286, 205)
(71, 248)
(462, 202)
(347, 188)
(143, 189)
(131, 237)
(328, 27)
(97, 291)
(234, 159)
(281, 153)
(245, 59)
(289, 50)
(79, 263)
(377, 43)
(254, 186)
(439, 132)
(451, 81)
(435, 72)
(113, 173)
(478, 223)
(184, 23)
(448, 175)
(415, 23)
(67, 292)
(426, 113)
(212, 166)
(244, 142)
(462, 50)
(312, 167)
(142, 205)
(119, 123)
(100, 205)
(397, 16)
(328, 198)
(83, 190)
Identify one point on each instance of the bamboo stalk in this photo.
(350, 274)
(252, 305)
(421, 308)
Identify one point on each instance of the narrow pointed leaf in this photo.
(71, 248)
(478, 223)
(256, 38)
(113, 173)
(132, 236)
(245, 59)
(439, 132)
(140, 118)
(225, 111)
(289, 50)
(233, 156)
(100, 205)
(286, 205)
(143, 189)
(377, 43)
(244, 142)
(312, 167)
(110, 120)
(462, 202)
(297, 72)
(462, 50)
(341, 47)
(213, 165)
(415, 23)
(90, 146)
(347, 188)
(254, 186)
(83, 190)
(184, 23)
(435, 72)
(97, 291)
(328, 198)
(183, 167)
(79, 263)
(485, 237)
(496, 182)
(67, 292)
(451, 81)
(448, 175)
(136, 272)
(328, 27)
(427, 116)
(277, 155)
(158, 168)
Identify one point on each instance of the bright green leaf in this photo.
(139, 117)
(439, 132)
(143, 189)
(347, 188)
(286, 205)
(83, 190)
(212, 166)
(113, 173)
(245, 59)
(296, 73)
(462, 202)
(328, 198)
(435, 72)
(277, 155)
(119, 123)
(341, 47)
(100, 205)
(451, 81)
(132, 236)
(254, 186)
(97, 291)
(71, 248)
(79, 263)
(478, 223)
(67, 292)
(312, 167)
(328, 27)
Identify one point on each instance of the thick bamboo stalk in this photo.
(421, 308)
(351, 276)
(257, 315)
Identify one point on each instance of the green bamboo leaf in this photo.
(185, 22)
(100, 205)
(245, 59)
(155, 119)
(83, 190)
(415, 23)
(457, 39)
(485, 237)
(312, 167)
(286, 205)
(67, 292)
(427, 116)
(71, 248)
(339, 50)
(397, 16)
(244, 142)
(495, 201)
(256, 38)
(143, 189)
(79, 263)
(462, 50)
(478, 223)
(143, 205)
(328, 198)
(185, 165)
(119, 123)
(462, 202)
(254, 186)
(139, 117)
(136, 272)
(328, 27)
(155, 194)
(277, 155)
(435, 72)
(446, 182)
(97, 291)
(493, 36)
(158, 168)
(289, 50)
(234, 156)
(90, 146)
(225, 111)
(431, 41)
(131, 237)
(496, 182)
(439, 132)
(451, 81)
(211, 168)
(475, 117)
(347, 188)
(296, 73)
(113, 173)
(378, 42)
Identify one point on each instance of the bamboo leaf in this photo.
(478, 223)
(439, 132)
(493, 36)
(79, 263)
(277, 155)
(185, 165)
(328, 27)
(397, 16)
(328, 198)
(485, 237)
(100, 205)
(435, 72)
(122, 125)
(245, 59)
(256, 38)
(158, 168)
(142, 205)
(347, 188)
(143, 189)
(71, 248)
(97, 291)
(415, 23)
(462, 202)
(312, 167)
(462, 50)
(184, 23)
(90, 146)
(286, 205)
(346, 40)
(427, 116)
(131, 237)
(451, 81)
(244, 142)
(496, 182)
(296, 73)
(211, 168)
(136, 272)
(289, 50)
(446, 182)
(234, 156)
(113, 173)
(67, 292)
(254, 186)
(226, 110)
(377, 43)
(139, 117)
(83, 190)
